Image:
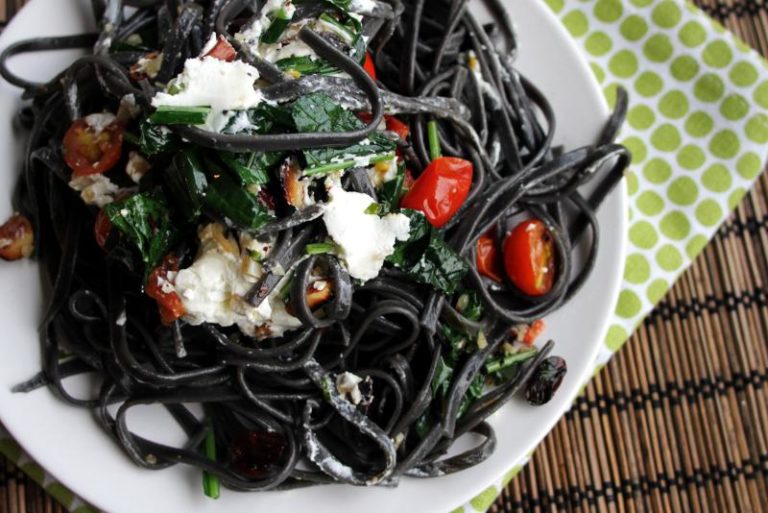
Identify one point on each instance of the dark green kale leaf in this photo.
(251, 168)
(317, 112)
(154, 139)
(427, 258)
(145, 221)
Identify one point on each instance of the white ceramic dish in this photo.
(68, 443)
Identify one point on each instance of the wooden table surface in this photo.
(678, 420)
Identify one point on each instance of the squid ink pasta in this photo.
(336, 225)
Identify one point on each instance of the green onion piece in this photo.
(319, 248)
(435, 151)
(175, 115)
(280, 21)
(373, 209)
(344, 164)
(339, 28)
(211, 483)
(502, 363)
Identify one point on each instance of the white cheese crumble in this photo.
(365, 240)
(210, 82)
(348, 385)
(136, 167)
(213, 287)
(128, 109)
(95, 189)
(99, 121)
(362, 6)
(149, 65)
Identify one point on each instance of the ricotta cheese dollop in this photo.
(209, 82)
(365, 240)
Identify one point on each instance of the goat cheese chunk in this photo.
(212, 289)
(365, 240)
(209, 82)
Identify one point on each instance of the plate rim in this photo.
(621, 193)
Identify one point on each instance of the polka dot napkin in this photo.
(697, 127)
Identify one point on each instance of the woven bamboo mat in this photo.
(678, 420)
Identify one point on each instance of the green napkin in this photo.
(697, 128)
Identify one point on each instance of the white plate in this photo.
(68, 443)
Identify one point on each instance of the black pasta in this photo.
(278, 398)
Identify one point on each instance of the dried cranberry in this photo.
(254, 452)
(546, 380)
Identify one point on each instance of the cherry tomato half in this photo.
(398, 127)
(529, 257)
(369, 66)
(17, 238)
(441, 189)
(101, 228)
(161, 290)
(222, 51)
(88, 152)
(487, 258)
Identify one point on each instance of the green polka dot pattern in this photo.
(696, 125)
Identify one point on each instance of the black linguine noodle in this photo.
(315, 366)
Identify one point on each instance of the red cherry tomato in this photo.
(161, 290)
(101, 228)
(88, 152)
(529, 257)
(398, 127)
(533, 332)
(222, 51)
(441, 189)
(17, 238)
(487, 258)
(369, 66)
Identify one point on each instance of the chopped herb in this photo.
(176, 115)
(474, 392)
(392, 191)
(144, 219)
(251, 168)
(211, 483)
(433, 136)
(305, 65)
(442, 378)
(280, 20)
(186, 182)
(154, 139)
(469, 305)
(373, 209)
(498, 364)
(319, 248)
(344, 164)
(423, 425)
(262, 119)
(225, 198)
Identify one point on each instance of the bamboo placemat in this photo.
(678, 420)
